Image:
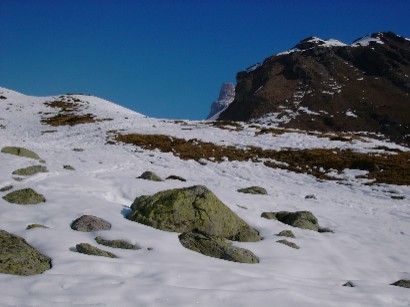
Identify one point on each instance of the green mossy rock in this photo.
(286, 233)
(24, 197)
(30, 170)
(288, 243)
(300, 219)
(17, 257)
(150, 176)
(31, 226)
(253, 190)
(6, 188)
(404, 283)
(88, 249)
(186, 209)
(115, 243)
(19, 151)
(216, 247)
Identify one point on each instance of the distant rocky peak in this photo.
(226, 96)
(313, 41)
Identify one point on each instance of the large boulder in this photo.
(300, 219)
(17, 257)
(88, 223)
(216, 247)
(192, 208)
(24, 197)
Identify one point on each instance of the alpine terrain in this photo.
(102, 206)
(326, 85)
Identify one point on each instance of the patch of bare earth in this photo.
(381, 167)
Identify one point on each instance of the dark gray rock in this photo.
(216, 247)
(89, 223)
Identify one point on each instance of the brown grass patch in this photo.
(67, 115)
(382, 168)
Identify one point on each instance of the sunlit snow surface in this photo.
(370, 246)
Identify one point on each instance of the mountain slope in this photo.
(325, 85)
(369, 246)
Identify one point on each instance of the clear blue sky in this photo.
(167, 59)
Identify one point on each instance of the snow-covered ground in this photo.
(370, 245)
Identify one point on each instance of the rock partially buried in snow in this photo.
(24, 197)
(300, 219)
(30, 170)
(216, 247)
(286, 233)
(88, 223)
(404, 283)
(17, 257)
(115, 243)
(288, 243)
(19, 151)
(32, 226)
(88, 249)
(186, 209)
(253, 190)
(150, 176)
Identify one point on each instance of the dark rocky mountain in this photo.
(226, 96)
(326, 85)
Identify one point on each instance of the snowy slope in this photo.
(370, 246)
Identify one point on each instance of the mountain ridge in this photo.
(364, 86)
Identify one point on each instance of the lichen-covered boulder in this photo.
(88, 249)
(17, 257)
(186, 209)
(24, 197)
(300, 219)
(216, 247)
(404, 283)
(115, 243)
(253, 190)
(286, 233)
(19, 151)
(150, 176)
(288, 243)
(88, 223)
(30, 170)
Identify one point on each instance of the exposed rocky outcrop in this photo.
(88, 223)
(17, 257)
(404, 283)
(226, 96)
(24, 197)
(300, 219)
(192, 208)
(216, 247)
(325, 85)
